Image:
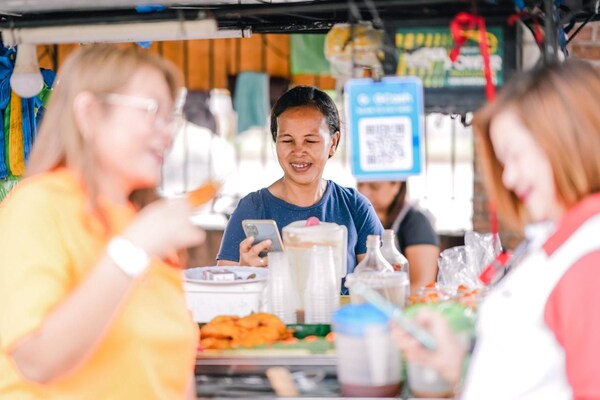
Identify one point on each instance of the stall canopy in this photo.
(415, 30)
(264, 16)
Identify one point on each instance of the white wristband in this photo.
(130, 259)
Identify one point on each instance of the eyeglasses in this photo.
(171, 122)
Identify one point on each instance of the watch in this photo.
(130, 259)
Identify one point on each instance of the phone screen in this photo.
(263, 229)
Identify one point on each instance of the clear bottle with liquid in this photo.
(391, 253)
(374, 260)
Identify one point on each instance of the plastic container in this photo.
(207, 299)
(368, 364)
(299, 239)
(321, 295)
(427, 382)
(393, 286)
(279, 287)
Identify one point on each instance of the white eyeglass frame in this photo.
(149, 105)
(125, 100)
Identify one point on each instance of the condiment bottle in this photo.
(374, 260)
(391, 253)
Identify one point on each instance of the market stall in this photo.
(423, 33)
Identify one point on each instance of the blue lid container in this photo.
(352, 319)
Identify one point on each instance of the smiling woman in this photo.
(305, 126)
(539, 142)
(112, 290)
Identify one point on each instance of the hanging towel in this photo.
(33, 111)
(16, 155)
(20, 122)
(251, 100)
(307, 55)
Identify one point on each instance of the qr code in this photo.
(385, 143)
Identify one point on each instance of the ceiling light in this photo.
(121, 32)
(26, 79)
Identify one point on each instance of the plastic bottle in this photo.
(391, 253)
(374, 260)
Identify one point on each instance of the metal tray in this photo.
(258, 361)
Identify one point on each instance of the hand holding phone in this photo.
(261, 230)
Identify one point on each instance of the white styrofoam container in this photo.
(208, 299)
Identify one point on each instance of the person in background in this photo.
(91, 299)
(305, 126)
(537, 331)
(417, 239)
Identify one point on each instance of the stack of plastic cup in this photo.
(280, 288)
(321, 297)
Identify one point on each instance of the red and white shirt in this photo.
(539, 330)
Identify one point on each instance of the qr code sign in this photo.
(385, 143)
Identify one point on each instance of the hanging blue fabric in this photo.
(7, 57)
(39, 101)
(32, 108)
(520, 4)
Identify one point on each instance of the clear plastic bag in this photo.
(461, 266)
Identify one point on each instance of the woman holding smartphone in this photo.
(305, 126)
(537, 328)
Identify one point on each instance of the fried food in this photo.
(215, 344)
(220, 330)
(264, 320)
(224, 318)
(253, 330)
(203, 194)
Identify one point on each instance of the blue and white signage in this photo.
(385, 121)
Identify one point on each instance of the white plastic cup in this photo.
(280, 288)
(321, 298)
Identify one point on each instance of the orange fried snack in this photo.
(215, 344)
(220, 330)
(224, 318)
(254, 330)
(203, 194)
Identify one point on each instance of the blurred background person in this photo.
(416, 237)
(91, 297)
(305, 126)
(539, 142)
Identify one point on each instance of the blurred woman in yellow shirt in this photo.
(89, 308)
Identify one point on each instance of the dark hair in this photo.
(395, 207)
(310, 96)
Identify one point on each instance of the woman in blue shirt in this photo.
(305, 126)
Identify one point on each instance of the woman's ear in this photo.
(85, 107)
(335, 139)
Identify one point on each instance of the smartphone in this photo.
(263, 229)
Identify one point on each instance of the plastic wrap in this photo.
(460, 267)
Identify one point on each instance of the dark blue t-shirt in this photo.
(344, 206)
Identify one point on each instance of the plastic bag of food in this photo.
(461, 266)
